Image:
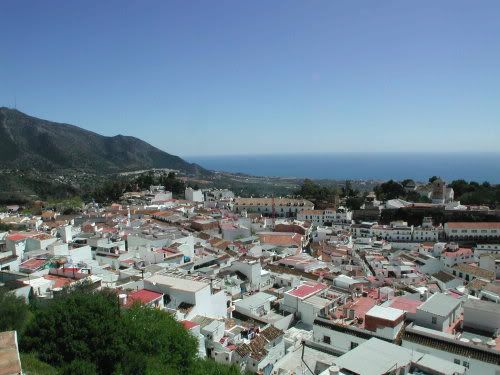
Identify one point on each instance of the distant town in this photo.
(401, 279)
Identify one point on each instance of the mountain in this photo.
(29, 142)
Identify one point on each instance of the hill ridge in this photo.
(30, 142)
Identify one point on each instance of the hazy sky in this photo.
(237, 77)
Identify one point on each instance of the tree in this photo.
(77, 325)
(432, 179)
(14, 312)
(78, 367)
(413, 196)
(156, 334)
(407, 182)
(389, 190)
(460, 187)
(210, 367)
(172, 183)
(85, 332)
(354, 203)
(347, 190)
(316, 193)
(33, 366)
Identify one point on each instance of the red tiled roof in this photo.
(33, 264)
(461, 251)
(361, 306)
(281, 238)
(189, 324)
(42, 236)
(143, 296)
(312, 212)
(59, 281)
(17, 236)
(227, 226)
(307, 289)
(405, 304)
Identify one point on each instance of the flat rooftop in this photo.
(254, 301)
(439, 304)
(178, 283)
(318, 301)
(307, 289)
(405, 304)
(374, 357)
(485, 306)
(386, 313)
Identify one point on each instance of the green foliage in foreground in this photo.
(33, 366)
(81, 332)
(14, 313)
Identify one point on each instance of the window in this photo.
(434, 320)
(353, 344)
(466, 364)
(326, 339)
(456, 361)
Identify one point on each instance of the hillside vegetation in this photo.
(30, 142)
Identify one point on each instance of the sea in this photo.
(361, 165)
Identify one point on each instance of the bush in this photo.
(14, 312)
(84, 332)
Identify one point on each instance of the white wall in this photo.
(488, 321)
(475, 366)
(339, 341)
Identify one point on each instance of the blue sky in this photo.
(243, 77)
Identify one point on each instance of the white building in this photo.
(256, 277)
(487, 249)
(483, 316)
(490, 262)
(378, 357)
(193, 195)
(477, 359)
(457, 255)
(262, 352)
(427, 232)
(309, 300)
(234, 231)
(329, 216)
(283, 207)
(397, 231)
(456, 231)
(187, 297)
(256, 305)
(341, 338)
(439, 312)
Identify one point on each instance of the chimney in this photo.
(334, 370)
(123, 299)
